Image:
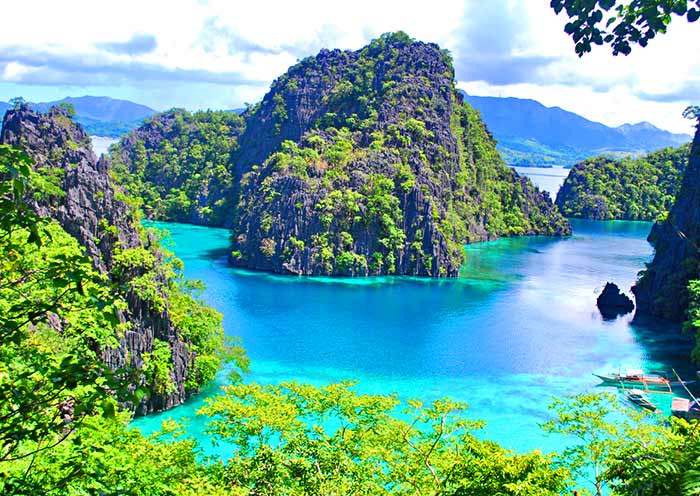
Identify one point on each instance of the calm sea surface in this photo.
(517, 328)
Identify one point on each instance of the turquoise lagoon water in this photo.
(517, 328)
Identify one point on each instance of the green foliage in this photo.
(664, 462)
(619, 448)
(105, 456)
(157, 368)
(589, 419)
(418, 130)
(279, 114)
(692, 112)
(297, 439)
(156, 275)
(178, 165)
(629, 189)
(18, 102)
(67, 108)
(692, 322)
(59, 430)
(56, 311)
(626, 23)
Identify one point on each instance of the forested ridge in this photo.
(160, 332)
(643, 188)
(178, 165)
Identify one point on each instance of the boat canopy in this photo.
(680, 405)
(634, 373)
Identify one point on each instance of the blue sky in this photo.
(222, 53)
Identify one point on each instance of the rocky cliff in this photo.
(662, 290)
(369, 162)
(354, 163)
(76, 190)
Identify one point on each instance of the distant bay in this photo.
(548, 179)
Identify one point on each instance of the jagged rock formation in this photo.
(662, 290)
(359, 163)
(644, 188)
(612, 302)
(79, 194)
(368, 162)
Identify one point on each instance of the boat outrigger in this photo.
(635, 377)
(639, 378)
(638, 397)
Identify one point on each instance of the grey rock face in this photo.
(662, 290)
(89, 210)
(406, 83)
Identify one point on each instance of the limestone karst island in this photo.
(379, 248)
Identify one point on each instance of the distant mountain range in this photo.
(100, 115)
(530, 134)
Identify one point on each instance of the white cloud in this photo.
(14, 71)
(507, 47)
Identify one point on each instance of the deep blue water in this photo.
(518, 328)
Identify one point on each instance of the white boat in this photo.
(636, 377)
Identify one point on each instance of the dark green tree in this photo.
(67, 108)
(18, 102)
(621, 24)
(692, 112)
(53, 308)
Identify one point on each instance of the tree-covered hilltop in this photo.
(631, 189)
(354, 163)
(368, 162)
(178, 164)
(167, 342)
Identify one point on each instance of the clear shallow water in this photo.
(517, 328)
(548, 179)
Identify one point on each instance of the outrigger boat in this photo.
(634, 377)
(638, 397)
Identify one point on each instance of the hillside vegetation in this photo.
(627, 189)
(178, 165)
(355, 163)
(163, 338)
